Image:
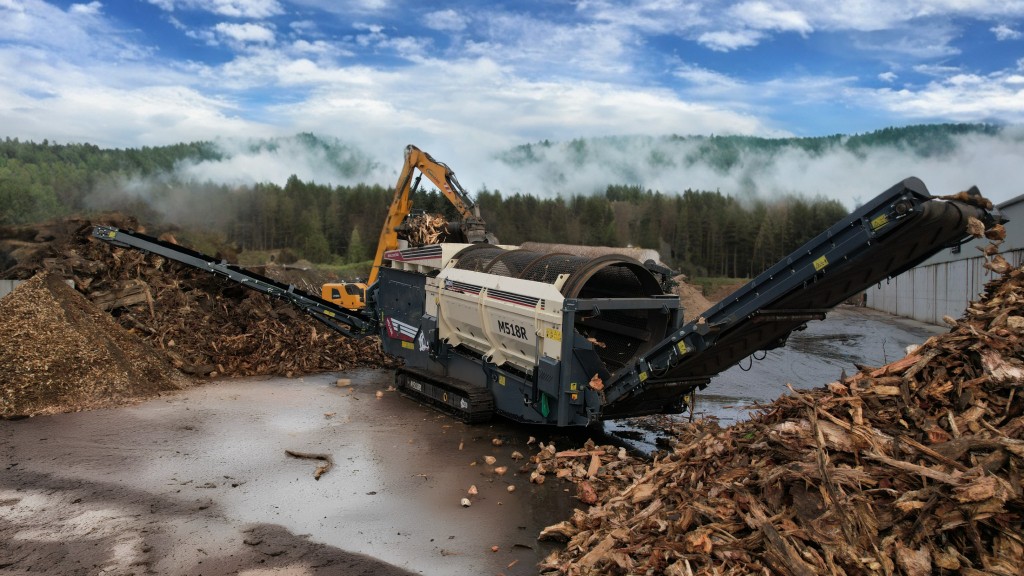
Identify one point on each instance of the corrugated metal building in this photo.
(944, 284)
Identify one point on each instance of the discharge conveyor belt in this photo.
(887, 236)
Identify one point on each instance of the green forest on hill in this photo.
(698, 232)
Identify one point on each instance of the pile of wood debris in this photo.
(913, 468)
(421, 229)
(691, 298)
(59, 353)
(204, 324)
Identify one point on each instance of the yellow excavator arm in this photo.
(352, 295)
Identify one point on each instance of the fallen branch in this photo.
(321, 469)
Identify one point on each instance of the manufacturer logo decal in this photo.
(399, 330)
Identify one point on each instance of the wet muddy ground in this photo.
(198, 482)
(812, 357)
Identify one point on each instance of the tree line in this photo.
(698, 232)
(701, 233)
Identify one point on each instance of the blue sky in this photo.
(460, 77)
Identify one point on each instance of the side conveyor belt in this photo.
(348, 322)
(888, 235)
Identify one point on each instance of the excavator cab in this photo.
(351, 295)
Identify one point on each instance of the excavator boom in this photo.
(353, 295)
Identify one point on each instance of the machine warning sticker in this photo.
(681, 347)
(553, 334)
(879, 221)
(820, 263)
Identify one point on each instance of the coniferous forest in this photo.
(696, 231)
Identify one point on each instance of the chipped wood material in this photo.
(200, 324)
(912, 468)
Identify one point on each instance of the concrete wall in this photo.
(944, 284)
(929, 292)
(7, 285)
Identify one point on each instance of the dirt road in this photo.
(198, 482)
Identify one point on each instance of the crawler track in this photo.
(470, 404)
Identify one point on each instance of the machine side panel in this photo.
(400, 304)
(504, 320)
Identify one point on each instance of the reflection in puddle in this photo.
(812, 358)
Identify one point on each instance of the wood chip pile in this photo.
(206, 325)
(691, 298)
(914, 468)
(59, 353)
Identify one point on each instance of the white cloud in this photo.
(707, 80)
(913, 43)
(727, 26)
(90, 9)
(79, 34)
(229, 8)
(724, 41)
(246, 33)
(765, 16)
(377, 39)
(303, 26)
(536, 47)
(445, 20)
(520, 78)
(110, 107)
(1004, 32)
(861, 16)
(348, 7)
(962, 97)
(482, 108)
(646, 16)
(936, 70)
(374, 36)
(316, 47)
(875, 15)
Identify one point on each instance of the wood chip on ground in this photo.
(913, 468)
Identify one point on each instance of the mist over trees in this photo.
(723, 153)
(697, 231)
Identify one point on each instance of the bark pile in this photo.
(914, 468)
(59, 353)
(204, 325)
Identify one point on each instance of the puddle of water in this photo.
(812, 358)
